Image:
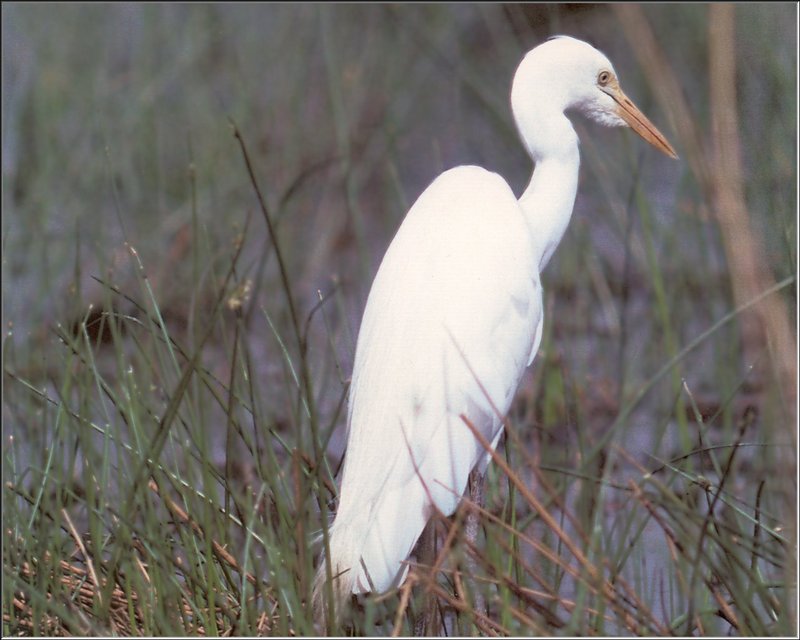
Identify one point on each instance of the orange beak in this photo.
(637, 121)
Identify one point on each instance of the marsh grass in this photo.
(182, 295)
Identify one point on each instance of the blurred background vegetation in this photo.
(131, 233)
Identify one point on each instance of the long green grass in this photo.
(180, 308)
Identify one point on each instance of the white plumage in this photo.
(431, 302)
(454, 317)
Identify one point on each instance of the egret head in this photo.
(565, 73)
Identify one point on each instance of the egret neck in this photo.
(548, 200)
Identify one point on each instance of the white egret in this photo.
(453, 319)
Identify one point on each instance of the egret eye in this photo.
(603, 78)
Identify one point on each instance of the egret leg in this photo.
(426, 623)
(471, 530)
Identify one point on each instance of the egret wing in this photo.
(452, 320)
